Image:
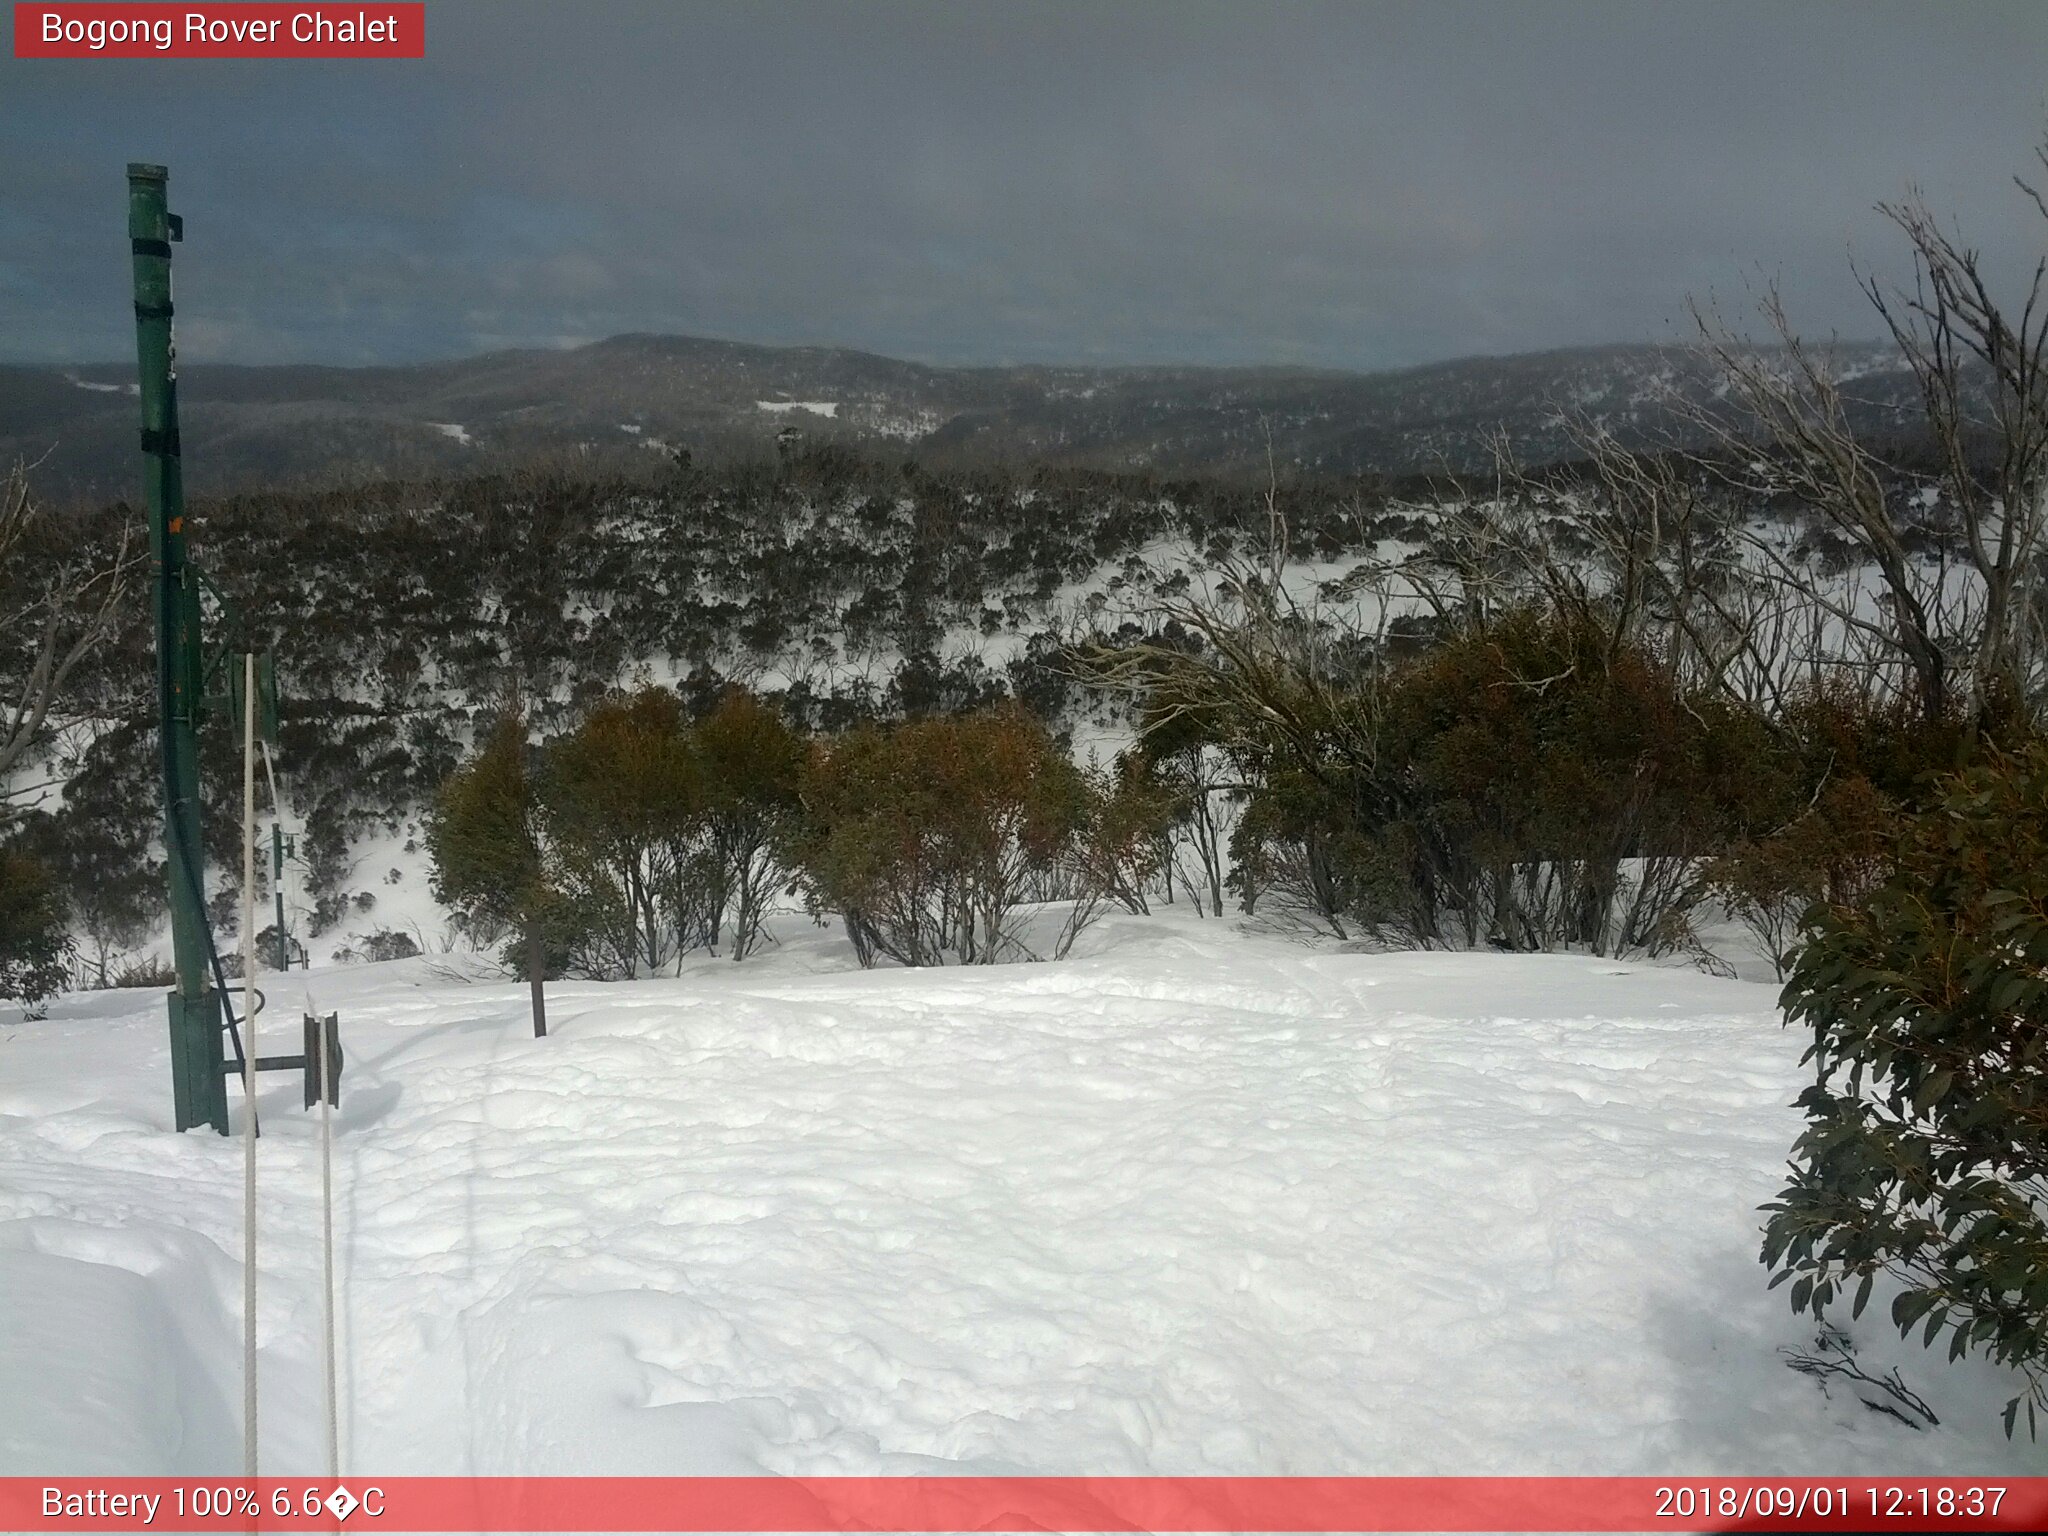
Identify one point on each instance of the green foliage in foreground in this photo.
(1925, 1156)
(33, 943)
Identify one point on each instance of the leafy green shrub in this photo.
(1925, 1157)
(1124, 842)
(1533, 784)
(750, 764)
(33, 945)
(620, 796)
(1308, 846)
(1839, 774)
(926, 836)
(384, 944)
(150, 970)
(1836, 848)
(666, 831)
(489, 860)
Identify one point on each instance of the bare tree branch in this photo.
(60, 609)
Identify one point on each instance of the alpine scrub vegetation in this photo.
(33, 942)
(1925, 1157)
(927, 836)
(639, 835)
(489, 859)
(751, 768)
(621, 794)
(634, 837)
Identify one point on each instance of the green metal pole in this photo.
(198, 1067)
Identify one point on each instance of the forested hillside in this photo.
(610, 405)
(838, 587)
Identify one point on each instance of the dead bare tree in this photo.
(1972, 636)
(1948, 327)
(1677, 583)
(58, 604)
(1271, 665)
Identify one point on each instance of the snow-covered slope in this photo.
(1198, 1201)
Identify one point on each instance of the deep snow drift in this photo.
(1200, 1201)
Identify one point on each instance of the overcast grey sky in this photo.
(1347, 184)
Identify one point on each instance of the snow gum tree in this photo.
(1923, 967)
(1181, 753)
(620, 794)
(928, 835)
(59, 605)
(1967, 634)
(752, 764)
(490, 860)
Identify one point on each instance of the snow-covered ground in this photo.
(1199, 1200)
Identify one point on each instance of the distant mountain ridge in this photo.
(247, 426)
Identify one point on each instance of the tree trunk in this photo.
(536, 974)
(1208, 839)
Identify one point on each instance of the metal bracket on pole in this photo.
(327, 1030)
(308, 1062)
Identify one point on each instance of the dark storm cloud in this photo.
(1351, 185)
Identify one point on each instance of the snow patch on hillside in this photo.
(815, 407)
(104, 389)
(908, 425)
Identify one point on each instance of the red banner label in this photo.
(212, 31)
(999, 1504)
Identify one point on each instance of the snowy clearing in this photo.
(815, 407)
(1199, 1201)
(454, 429)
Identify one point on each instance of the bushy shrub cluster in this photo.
(927, 836)
(1839, 773)
(670, 835)
(1531, 785)
(639, 835)
(34, 946)
(626, 841)
(1925, 1156)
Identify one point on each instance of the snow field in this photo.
(1198, 1201)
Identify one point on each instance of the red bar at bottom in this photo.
(928, 1504)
